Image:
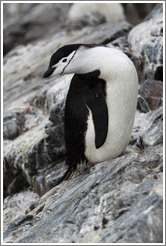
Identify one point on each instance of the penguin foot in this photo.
(73, 170)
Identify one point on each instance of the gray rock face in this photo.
(150, 95)
(117, 201)
(16, 205)
(146, 42)
(27, 26)
(136, 12)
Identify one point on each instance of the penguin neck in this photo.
(103, 59)
(86, 61)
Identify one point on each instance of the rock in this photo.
(27, 27)
(150, 95)
(136, 12)
(142, 105)
(146, 42)
(131, 188)
(113, 12)
(157, 10)
(16, 205)
(13, 125)
(104, 33)
(154, 133)
(128, 202)
(13, 11)
(148, 127)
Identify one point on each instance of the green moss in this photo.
(24, 148)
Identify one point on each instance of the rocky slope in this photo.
(118, 201)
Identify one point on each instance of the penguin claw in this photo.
(68, 173)
(72, 170)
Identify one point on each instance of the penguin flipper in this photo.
(97, 104)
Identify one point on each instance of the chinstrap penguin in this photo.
(113, 12)
(101, 102)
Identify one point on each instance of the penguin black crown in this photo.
(101, 102)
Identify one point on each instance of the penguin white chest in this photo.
(121, 101)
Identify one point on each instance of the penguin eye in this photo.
(64, 60)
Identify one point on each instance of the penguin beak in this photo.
(48, 72)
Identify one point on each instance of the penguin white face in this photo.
(71, 58)
(61, 59)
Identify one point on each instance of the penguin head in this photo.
(72, 58)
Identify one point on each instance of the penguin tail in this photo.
(70, 171)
